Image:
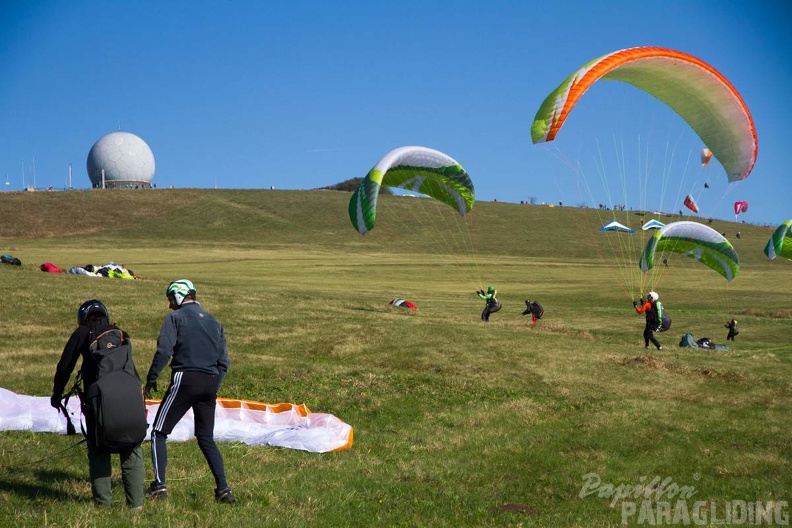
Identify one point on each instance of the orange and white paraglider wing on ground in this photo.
(255, 423)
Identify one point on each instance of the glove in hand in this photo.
(55, 401)
(635, 303)
(150, 386)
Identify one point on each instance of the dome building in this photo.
(120, 160)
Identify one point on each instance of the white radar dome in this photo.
(120, 160)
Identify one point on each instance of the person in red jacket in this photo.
(649, 308)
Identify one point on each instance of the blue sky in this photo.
(299, 95)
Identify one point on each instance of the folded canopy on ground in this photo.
(254, 423)
(111, 270)
(403, 304)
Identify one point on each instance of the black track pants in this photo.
(188, 390)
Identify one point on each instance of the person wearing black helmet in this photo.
(649, 307)
(195, 344)
(93, 315)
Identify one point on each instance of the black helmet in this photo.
(89, 307)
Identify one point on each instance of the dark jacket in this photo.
(193, 340)
(77, 346)
(650, 309)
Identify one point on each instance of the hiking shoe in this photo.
(157, 491)
(225, 496)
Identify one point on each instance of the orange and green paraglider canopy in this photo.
(696, 91)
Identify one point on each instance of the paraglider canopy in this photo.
(419, 169)
(696, 91)
(780, 243)
(696, 241)
(691, 204)
(403, 304)
(740, 207)
(706, 156)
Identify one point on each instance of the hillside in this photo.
(319, 218)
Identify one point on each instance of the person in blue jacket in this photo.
(195, 344)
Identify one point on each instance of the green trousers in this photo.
(133, 476)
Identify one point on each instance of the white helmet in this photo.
(653, 296)
(179, 289)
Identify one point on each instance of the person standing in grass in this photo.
(93, 318)
(732, 326)
(194, 342)
(649, 307)
(493, 304)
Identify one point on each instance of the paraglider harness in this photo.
(534, 309)
(113, 405)
(663, 320)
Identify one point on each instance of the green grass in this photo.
(454, 419)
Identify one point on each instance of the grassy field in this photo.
(457, 422)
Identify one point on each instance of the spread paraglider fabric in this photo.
(254, 423)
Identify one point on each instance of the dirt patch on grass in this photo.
(655, 363)
(648, 362)
(772, 314)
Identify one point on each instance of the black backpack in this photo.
(114, 409)
(533, 308)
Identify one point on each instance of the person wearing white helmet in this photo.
(649, 308)
(195, 344)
